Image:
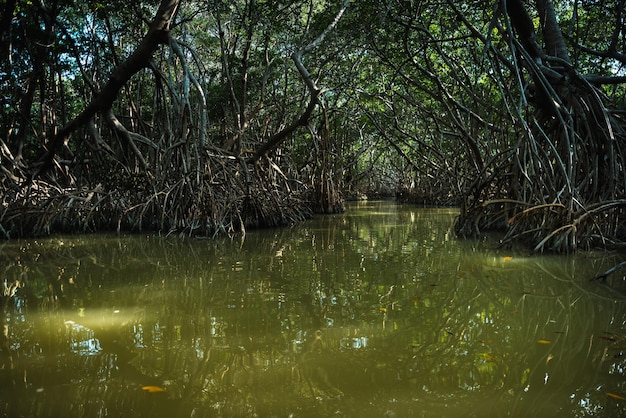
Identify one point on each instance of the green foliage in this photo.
(415, 94)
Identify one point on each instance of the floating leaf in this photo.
(153, 389)
(544, 342)
(507, 258)
(607, 338)
(614, 396)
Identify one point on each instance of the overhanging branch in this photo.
(312, 87)
(157, 34)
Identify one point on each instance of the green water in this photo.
(377, 312)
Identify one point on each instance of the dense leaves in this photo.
(255, 113)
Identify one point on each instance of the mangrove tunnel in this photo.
(312, 208)
(210, 118)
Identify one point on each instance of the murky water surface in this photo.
(377, 312)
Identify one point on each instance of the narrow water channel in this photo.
(377, 312)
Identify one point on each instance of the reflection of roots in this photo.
(314, 366)
(236, 372)
(315, 373)
(6, 359)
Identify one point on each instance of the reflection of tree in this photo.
(340, 313)
(7, 291)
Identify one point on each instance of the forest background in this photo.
(206, 117)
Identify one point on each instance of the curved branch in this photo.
(314, 90)
(609, 53)
(157, 34)
(280, 136)
(121, 130)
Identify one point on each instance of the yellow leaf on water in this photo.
(544, 342)
(614, 396)
(153, 389)
(508, 258)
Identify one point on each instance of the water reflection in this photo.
(376, 312)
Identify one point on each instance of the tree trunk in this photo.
(552, 35)
(566, 184)
(157, 34)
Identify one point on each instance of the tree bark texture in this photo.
(552, 35)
